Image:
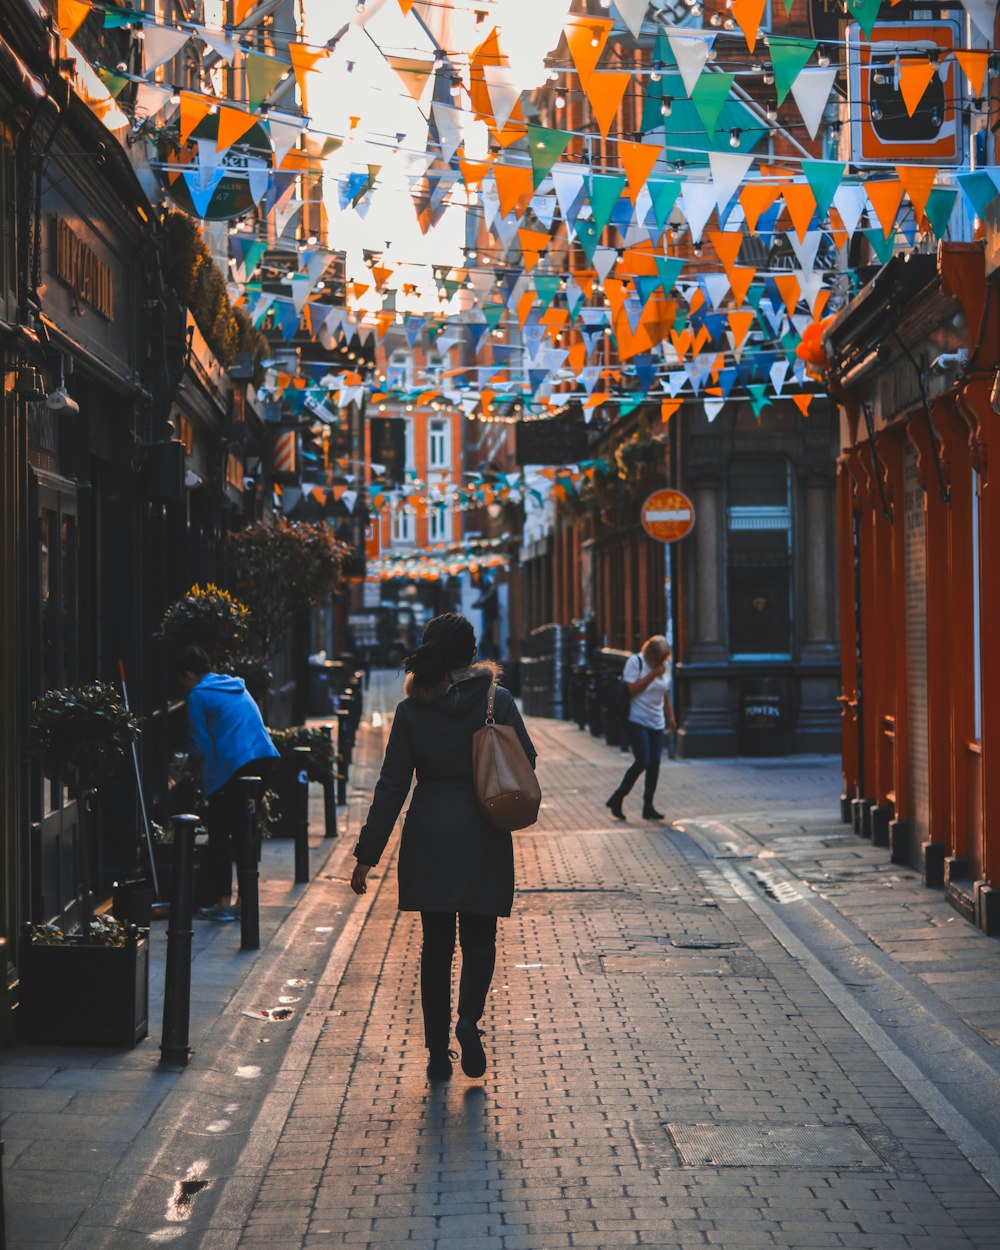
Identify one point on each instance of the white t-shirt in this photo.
(646, 708)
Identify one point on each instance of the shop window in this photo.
(438, 431)
(439, 525)
(759, 551)
(402, 526)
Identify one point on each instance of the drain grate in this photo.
(744, 1145)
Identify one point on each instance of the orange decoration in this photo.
(524, 306)
(514, 183)
(637, 160)
(739, 324)
(233, 125)
(740, 278)
(885, 198)
(756, 198)
(668, 407)
(747, 15)
(918, 182)
(788, 286)
(802, 402)
(242, 8)
(801, 205)
(837, 231)
(586, 38)
(974, 65)
(194, 109)
(914, 78)
(473, 172)
(727, 245)
(605, 92)
(303, 62)
(70, 16)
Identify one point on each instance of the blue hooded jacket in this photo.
(227, 730)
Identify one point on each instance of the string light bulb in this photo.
(666, 106)
(734, 137)
(560, 101)
(595, 37)
(656, 73)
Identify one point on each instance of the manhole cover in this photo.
(740, 1145)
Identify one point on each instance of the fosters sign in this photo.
(83, 271)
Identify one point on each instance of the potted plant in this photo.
(322, 766)
(90, 987)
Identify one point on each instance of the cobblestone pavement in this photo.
(705, 1034)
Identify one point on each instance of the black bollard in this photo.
(248, 870)
(329, 790)
(174, 1046)
(301, 825)
(345, 738)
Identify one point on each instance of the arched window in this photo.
(759, 559)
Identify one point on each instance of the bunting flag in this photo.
(70, 16)
(304, 62)
(604, 91)
(263, 75)
(161, 44)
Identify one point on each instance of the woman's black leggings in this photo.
(478, 938)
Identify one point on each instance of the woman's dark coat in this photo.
(451, 858)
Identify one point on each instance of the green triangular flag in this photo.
(547, 284)
(824, 177)
(788, 56)
(755, 294)
(115, 83)
(940, 203)
(263, 75)
(882, 247)
(545, 147)
(789, 342)
(758, 397)
(709, 97)
(493, 313)
(123, 17)
(605, 192)
(628, 406)
(433, 330)
(664, 193)
(865, 13)
(668, 267)
(588, 236)
(645, 285)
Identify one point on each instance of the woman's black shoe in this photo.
(615, 803)
(473, 1055)
(649, 812)
(439, 1065)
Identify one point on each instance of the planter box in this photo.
(82, 995)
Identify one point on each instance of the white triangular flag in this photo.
(983, 15)
(544, 208)
(284, 135)
(716, 286)
(258, 176)
(713, 407)
(605, 259)
(283, 213)
(209, 159)
(779, 372)
(449, 127)
(632, 13)
(729, 169)
(690, 53)
(503, 92)
(569, 190)
(810, 284)
(222, 44)
(849, 200)
(805, 249)
(811, 89)
(150, 98)
(697, 200)
(161, 43)
(300, 290)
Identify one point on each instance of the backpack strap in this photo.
(490, 701)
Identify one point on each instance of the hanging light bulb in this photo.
(595, 37)
(729, 24)
(768, 76)
(734, 137)
(715, 20)
(560, 101)
(712, 55)
(656, 73)
(456, 86)
(666, 105)
(771, 113)
(822, 58)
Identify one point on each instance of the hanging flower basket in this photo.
(82, 733)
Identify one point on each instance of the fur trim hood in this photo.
(431, 694)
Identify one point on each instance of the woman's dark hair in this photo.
(448, 643)
(195, 660)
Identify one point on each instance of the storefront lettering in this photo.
(83, 271)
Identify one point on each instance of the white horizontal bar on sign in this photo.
(676, 514)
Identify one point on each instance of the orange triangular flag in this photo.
(974, 66)
(473, 172)
(914, 79)
(524, 306)
(637, 160)
(303, 60)
(788, 286)
(739, 324)
(586, 38)
(242, 8)
(681, 342)
(885, 198)
(802, 402)
(757, 198)
(406, 6)
(577, 356)
(740, 277)
(514, 183)
(837, 231)
(801, 205)
(747, 14)
(727, 245)
(486, 401)
(380, 273)
(585, 279)
(668, 407)
(194, 108)
(918, 182)
(820, 303)
(71, 14)
(696, 301)
(233, 125)
(605, 91)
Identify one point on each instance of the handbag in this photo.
(506, 786)
(616, 697)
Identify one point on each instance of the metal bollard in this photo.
(345, 738)
(248, 870)
(174, 1046)
(301, 824)
(329, 790)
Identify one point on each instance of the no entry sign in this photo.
(667, 516)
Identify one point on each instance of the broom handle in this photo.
(138, 782)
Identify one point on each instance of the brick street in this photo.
(726, 1032)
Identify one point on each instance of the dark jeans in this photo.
(227, 827)
(478, 938)
(647, 747)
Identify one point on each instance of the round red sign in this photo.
(667, 516)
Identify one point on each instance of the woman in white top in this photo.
(648, 683)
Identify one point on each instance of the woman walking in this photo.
(649, 713)
(453, 864)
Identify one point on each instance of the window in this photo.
(439, 525)
(759, 535)
(437, 444)
(402, 526)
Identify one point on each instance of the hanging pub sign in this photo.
(388, 449)
(215, 187)
(563, 440)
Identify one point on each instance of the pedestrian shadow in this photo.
(460, 1132)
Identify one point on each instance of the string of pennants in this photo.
(722, 329)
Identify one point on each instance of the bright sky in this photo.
(358, 93)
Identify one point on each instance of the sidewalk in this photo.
(747, 1029)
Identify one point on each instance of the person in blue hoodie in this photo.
(229, 741)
